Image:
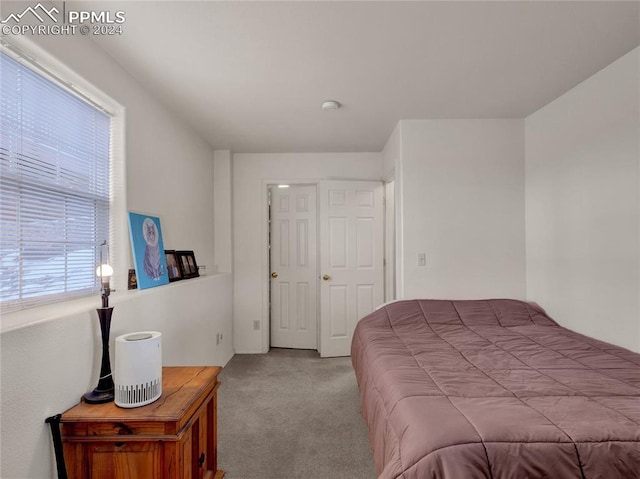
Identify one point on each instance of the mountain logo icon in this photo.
(39, 11)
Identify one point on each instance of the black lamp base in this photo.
(98, 397)
(104, 392)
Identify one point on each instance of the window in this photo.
(55, 162)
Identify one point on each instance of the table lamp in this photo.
(104, 390)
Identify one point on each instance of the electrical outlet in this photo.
(256, 325)
(422, 259)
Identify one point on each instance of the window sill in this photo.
(49, 312)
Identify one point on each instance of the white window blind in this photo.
(54, 189)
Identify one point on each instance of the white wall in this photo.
(251, 174)
(462, 203)
(582, 215)
(48, 365)
(222, 210)
(391, 154)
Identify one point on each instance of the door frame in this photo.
(265, 320)
(390, 293)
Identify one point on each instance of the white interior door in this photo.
(294, 276)
(351, 259)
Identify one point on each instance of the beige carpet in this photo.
(290, 415)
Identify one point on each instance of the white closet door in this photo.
(294, 276)
(351, 259)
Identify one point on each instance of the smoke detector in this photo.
(331, 105)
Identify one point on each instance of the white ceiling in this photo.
(251, 76)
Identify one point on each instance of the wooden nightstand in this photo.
(171, 438)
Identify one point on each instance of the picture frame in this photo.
(132, 282)
(187, 262)
(173, 265)
(148, 250)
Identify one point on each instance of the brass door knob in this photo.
(274, 275)
(326, 277)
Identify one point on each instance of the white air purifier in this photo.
(138, 373)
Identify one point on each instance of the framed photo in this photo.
(187, 263)
(133, 282)
(173, 268)
(148, 250)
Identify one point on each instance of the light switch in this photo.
(422, 259)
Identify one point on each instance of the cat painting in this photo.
(148, 250)
(152, 254)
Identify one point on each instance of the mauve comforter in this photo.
(494, 389)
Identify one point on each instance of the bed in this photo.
(494, 389)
